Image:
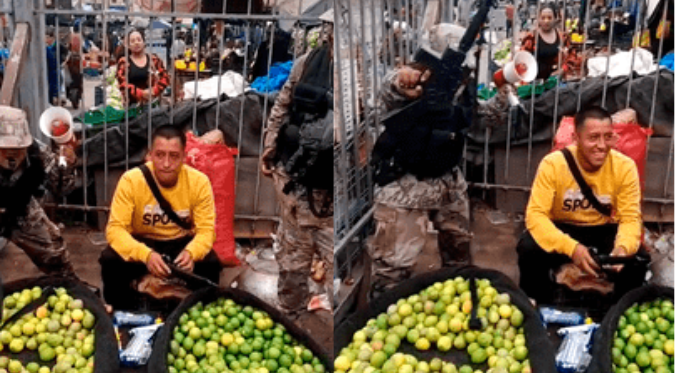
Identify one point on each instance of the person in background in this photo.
(54, 59)
(546, 43)
(143, 77)
(562, 224)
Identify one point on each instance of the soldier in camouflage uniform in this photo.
(403, 208)
(301, 233)
(24, 171)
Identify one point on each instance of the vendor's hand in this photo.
(156, 265)
(618, 251)
(184, 261)
(409, 81)
(583, 259)
(267, 161)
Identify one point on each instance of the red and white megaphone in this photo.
(57, 124)
(523, 68)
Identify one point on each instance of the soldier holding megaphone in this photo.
(25, 171)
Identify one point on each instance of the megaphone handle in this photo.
(62, 158)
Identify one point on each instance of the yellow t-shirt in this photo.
(134, 211)
(556, 197)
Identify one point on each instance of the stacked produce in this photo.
(57, 337)
(643, 341)
(435, 323)
(224, 336)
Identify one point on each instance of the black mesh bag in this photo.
(542, 353)
(106, 358)
(604, 336)
(157, 363)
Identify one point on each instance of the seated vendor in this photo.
(562, 224)
(139, 231)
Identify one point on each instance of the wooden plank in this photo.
(15, 63)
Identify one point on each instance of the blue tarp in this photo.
(276, 78)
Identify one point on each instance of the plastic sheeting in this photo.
(620, 64)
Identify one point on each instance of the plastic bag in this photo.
(631, 140)
(217, 162)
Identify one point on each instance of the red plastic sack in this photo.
(630, 139)
(218, 163)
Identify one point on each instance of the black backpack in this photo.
(306, 141)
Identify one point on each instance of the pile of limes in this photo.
(438, 317)
(61, 330)
(224, 336)
(643, 341)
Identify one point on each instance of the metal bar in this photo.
(342, 203)
(583, 51)
(256, 201)
(241, 107)
(220, 67)
(355, 91)
(104, 67)
(58, 62)
(126, 91)
(172, 64)
(197, 51)
(17, 55)
(561, 70)
(343, 241)
(609, 56)
(42, 30)
(638, 24)
(532, 100)
(656, 85)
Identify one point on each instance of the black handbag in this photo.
(605, 209)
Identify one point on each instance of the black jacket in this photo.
(14, 197)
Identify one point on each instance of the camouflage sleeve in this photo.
(60, 181)
(389, 97)
(282, 103)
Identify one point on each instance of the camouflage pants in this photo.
(403, 210)
(41, 240)
(301, 235)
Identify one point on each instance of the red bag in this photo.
(630, 139)
(218, 163)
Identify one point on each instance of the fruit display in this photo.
(58, 336)
(435, 324)
(643, 340)
(226, 336)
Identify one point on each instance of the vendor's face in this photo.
(136, 43)
(546, 19)
(167, 156)
(594, 141)
(11, 159)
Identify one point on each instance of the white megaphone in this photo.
(57, 124)
(523, 68)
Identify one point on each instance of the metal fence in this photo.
(373, 37)
(254, 27)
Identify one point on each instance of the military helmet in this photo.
(14, 132)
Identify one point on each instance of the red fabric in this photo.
(630, 139)
(218, 163)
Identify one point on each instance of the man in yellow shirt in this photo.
(562, 223)
(139, 230)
